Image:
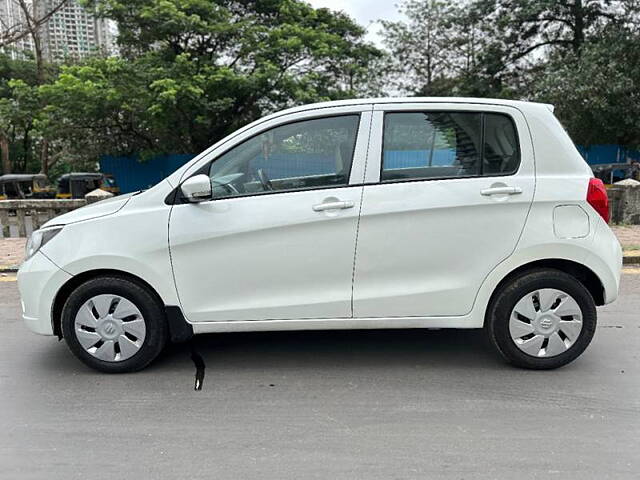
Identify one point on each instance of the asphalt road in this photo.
(329, 405)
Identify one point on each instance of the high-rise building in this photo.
(74, 32)
(12, 18)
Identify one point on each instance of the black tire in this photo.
(152, 311)
(505, 299)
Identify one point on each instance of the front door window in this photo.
(297, 156)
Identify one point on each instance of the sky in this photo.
(364, 12)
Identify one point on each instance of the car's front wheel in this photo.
(541, 319)
(114, 324)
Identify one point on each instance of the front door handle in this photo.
(501, 191)
(339, 205)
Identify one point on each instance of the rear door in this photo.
(447, 194)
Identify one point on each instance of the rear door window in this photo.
(431, 145)
(440, 145)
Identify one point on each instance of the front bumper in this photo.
(39, 280)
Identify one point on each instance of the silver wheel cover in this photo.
(110, 328)
(545, 322)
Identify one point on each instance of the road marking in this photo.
(8, 278)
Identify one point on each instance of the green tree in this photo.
(580, 55)
(597, 95)
(19, 115)
(194, 70)
(18, 112)
(97, 107)
(421, 59)
(493, 47)
(191, 71)
(563, 25)
(446, 48)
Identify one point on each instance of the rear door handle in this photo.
(501, 191)
(333, 206)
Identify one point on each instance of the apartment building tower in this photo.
(12, 18)
(73, 32)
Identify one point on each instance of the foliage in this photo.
(213, 66)
(18, 113)
(597, 95)
(581, 55)
(421, 47)
(192, 71)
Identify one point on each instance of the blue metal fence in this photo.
(132, 174)
(603, 154)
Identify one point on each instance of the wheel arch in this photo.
(580, 272)
(77, 280)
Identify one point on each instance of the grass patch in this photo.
(631, 250)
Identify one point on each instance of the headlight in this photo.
(38, 239)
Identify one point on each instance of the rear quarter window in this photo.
(501, 151)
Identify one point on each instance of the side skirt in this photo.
(336, 324)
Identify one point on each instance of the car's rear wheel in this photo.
(114, 324)
(541, 319)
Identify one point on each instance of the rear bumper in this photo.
(605, 259)
(39, 280)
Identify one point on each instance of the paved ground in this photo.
(11, 252)
(387, 404)
(629, 236)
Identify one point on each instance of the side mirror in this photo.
(196, 189)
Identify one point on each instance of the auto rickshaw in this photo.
(611, 173)
(109, 184)
(25, 185)
(78, 184)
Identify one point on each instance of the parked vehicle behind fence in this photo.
(611, 173)
(25, 185)
(383, 213)
(78, 184)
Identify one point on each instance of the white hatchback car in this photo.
(359, 214)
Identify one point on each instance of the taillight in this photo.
(598, 199)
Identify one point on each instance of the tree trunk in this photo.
(4, 151)
(37, 48)
(578, 26)
(26, 149)
(44, 157)
(33, 26)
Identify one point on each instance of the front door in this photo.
(448, 204)
(278, 239)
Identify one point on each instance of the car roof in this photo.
(521, 104)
